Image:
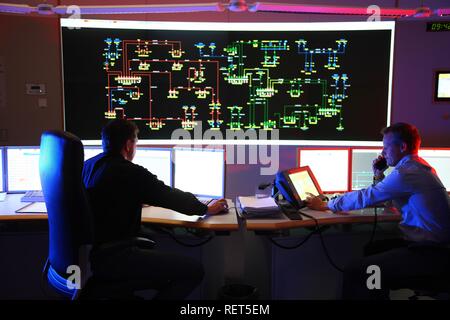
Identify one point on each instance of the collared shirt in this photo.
(416, 191)
(117, 189)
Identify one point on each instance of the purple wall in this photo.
(417, 54)
(242, 179)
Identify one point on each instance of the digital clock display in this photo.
(438, 26)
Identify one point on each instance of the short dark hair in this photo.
(405, 132)
(116, 134)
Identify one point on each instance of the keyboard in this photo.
(291, 212)
(205, 201)
(33, 196)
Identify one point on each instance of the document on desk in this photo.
(194, 218)
(168, 214)
(173, 215)
(34, 207)
(253, 207)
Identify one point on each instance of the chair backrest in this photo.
(69, 219)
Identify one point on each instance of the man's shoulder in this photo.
(95, 158)
(110, 162)
(130, 168)
(414, 165)
(416, 173)
(89, 163)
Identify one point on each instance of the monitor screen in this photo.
(329, 166)
(157, 161)
(200, 171)
(362, 174)
(303, 184)
(439, 159)
(90, 152)
(1, 171)
(215, 81)
(23, 169)
(442, 86)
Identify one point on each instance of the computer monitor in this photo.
(200, 171)
(23, 169)
(329, 166)
(2, 187)
(157, 161)
(439, 159)
(91, 151)
(362, 173)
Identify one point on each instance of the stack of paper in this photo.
(253, 207)
(33, 207)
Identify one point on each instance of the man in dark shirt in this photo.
(117, 189)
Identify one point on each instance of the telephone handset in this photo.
(381, 164)
(288, 202)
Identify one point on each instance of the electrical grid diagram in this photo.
(243, 84)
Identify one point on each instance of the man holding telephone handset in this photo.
(417, 192)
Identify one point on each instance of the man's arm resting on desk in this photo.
(155, 192)
(317, 203)
(217, 206)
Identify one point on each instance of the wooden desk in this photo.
(11, 204)
(223, 222)
(323, 218)
(304, 272)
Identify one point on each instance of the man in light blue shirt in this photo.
(417, 192)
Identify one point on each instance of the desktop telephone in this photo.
(294, 186)
(280, 193)
(287, 203)
(281, 187)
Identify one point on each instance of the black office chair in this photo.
(436, 286)
(71, 229)
(433, 287)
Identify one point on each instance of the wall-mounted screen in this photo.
(442, 86)
(314, 82)
(329, 166)
(23, 169)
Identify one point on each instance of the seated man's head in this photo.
(120, 137)
(399, 140)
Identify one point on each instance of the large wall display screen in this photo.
(312, 81)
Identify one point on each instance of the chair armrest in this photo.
(140, 242)
(144, 243)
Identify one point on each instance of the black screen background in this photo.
(366, 62)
